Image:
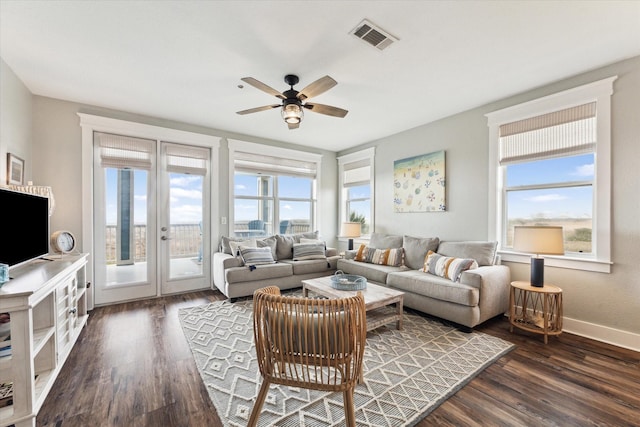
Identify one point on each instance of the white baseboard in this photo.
(602, 333)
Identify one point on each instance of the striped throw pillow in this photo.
(256, 256)
(392, 257)
(448, 267)
(302, 251)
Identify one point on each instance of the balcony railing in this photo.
(186, 240)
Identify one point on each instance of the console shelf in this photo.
(46, 302)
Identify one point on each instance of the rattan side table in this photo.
(537, 310)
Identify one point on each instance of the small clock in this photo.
(63, 242)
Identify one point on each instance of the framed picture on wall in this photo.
(419, 183)
(15, 169)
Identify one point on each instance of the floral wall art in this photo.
(419, 183)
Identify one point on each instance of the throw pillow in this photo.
(284, 246)
(391, 257)
(416, 249)
(302, 251)
(235, 246)
(448, 267)
(225, 246)
(270, 242)
(256, 256)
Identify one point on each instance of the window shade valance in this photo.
(259, 163)
(189, 160)
(560, 133)
(121, 152)
(357, 173)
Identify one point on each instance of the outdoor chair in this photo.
(310, 343)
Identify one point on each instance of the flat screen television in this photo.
(24, 227)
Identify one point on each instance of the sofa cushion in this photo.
(416, 248)
(310, 266)
(302, 251)
(284, 243)
(426, 284)
(385, 241)
(448, 267)
(261, 272)
(256, 256)
(483, 252)
(392, 257)
(373, 272)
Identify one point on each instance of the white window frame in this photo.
(600, 92)
(285, 153)
(366, 154)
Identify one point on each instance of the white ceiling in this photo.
(183, 60)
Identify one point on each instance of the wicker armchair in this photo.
(310, 343)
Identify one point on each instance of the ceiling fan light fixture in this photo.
(292, 113)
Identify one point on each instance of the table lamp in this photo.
(350, 230)
(538, 240)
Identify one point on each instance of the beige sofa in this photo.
(236, 279)
(478, 294)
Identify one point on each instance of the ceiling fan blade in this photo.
(255, 110)
(263, 87)
(326, 109)
(293, 125)
(321, 85)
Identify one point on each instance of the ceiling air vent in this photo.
(373, 35)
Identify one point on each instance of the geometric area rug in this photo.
(407, 373)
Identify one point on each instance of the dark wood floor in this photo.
(132, 367)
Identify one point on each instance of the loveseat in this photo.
(461, 281)
(244, 265)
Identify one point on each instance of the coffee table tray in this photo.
(348, 282)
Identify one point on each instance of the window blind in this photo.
(124, 152)
(188, 160)
(357, 173)
(260, 163)
(560, 133)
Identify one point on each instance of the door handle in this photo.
(165, 238)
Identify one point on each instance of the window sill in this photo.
(573, 263)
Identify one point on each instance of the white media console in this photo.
(47, 304)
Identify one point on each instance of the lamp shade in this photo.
(350, 229)
(540, 240)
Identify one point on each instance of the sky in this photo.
(572, 202)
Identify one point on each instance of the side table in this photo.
(537, 310)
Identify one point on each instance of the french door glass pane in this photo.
(185, 214)
(126, 225)
(570, 207)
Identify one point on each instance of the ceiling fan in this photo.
(293, 104)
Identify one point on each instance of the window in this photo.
(550, 163)
(356, 180)
(274, 190)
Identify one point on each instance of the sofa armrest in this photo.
(329, 252)
(493, 281)
(221, 262)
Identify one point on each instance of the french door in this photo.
(151, 218)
